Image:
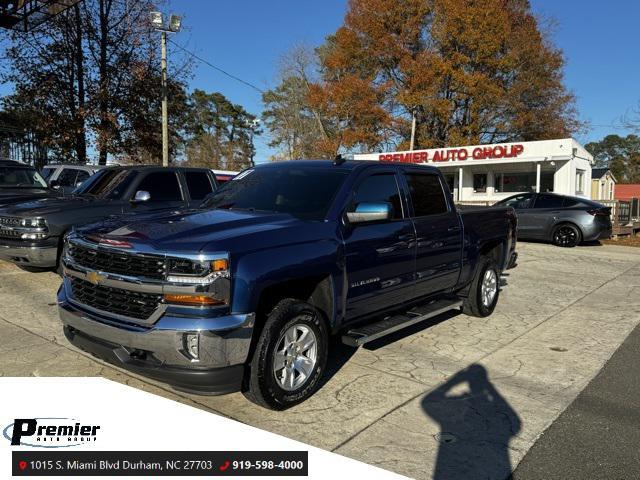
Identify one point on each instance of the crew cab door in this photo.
(164, 189)
(379, 255)
(438, 233)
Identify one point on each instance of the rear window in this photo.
(427, 195)
(198, 184)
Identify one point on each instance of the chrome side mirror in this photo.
(142, 196)
(370, 212)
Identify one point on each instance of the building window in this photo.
(479, 183)
(579, 181)
(523, 182)
(515, 182)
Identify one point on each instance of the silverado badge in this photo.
(94, 277)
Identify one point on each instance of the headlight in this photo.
(33, 223)
(202, 272)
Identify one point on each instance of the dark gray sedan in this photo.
(565, 221)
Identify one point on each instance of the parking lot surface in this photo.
(455, 397)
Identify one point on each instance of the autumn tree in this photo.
(296, 127)
(470, 71)
(90, 78)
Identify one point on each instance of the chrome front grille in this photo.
(117, 262)
(135, 305)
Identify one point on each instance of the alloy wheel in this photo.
(295, 357)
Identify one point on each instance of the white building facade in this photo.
(488, 173)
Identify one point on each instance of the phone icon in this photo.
(224, 466)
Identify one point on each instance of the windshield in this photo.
(109, 184)
(305, 193)
(19, 177)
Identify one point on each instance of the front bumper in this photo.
(159, 351)
(41, 256)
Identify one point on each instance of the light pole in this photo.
(253, 126)
(175, 22)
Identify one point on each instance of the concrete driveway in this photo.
(455, 397)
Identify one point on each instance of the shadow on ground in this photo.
(476, 425)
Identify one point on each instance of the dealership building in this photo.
(488, 173)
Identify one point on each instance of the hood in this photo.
(185, 231)
(50, 205)
(9, 196)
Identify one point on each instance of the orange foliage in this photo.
(473, 71)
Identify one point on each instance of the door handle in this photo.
(455, 228)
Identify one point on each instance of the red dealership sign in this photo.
(455, 154)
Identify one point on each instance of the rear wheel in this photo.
(290, 356)
(566, 235)
(484, 290)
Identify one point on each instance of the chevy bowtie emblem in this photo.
(94, 277)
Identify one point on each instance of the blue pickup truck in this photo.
(245, 292)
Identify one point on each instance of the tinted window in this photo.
(548, 201)
(162, 186)
(306, 193)
(67, 177)
(82, 176)
(518, 202)
(380, 188)
(427, 195)
(480, 182)
(198, 184)
(47, 172)
(108, 184)
(18, 177)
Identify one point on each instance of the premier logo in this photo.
(49, 432)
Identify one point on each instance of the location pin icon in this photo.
(22, 465)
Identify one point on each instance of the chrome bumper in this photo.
(43, 257)
(224, 341)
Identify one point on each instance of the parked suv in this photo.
(31, 233)
(563, 220)
(67, 178)
(20, 182)
(244, 293)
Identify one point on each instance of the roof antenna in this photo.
(339, 160)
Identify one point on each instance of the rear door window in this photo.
(162, 186)
(427, 195)
(548, 201)
(199, 185)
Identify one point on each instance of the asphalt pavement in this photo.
(598, 435)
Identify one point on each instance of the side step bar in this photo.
(366, 333)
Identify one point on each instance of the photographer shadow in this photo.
(476, 426)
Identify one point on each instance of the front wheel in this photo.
(566, 235)
(290, 356)
(484, 290)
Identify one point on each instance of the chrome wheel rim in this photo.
(489, 287)
(566, 236)
(295, 357)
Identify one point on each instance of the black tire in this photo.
(474, 305)
(566, 235)
(262, 386)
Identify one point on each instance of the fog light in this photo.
(33, 236)
(192, 345)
